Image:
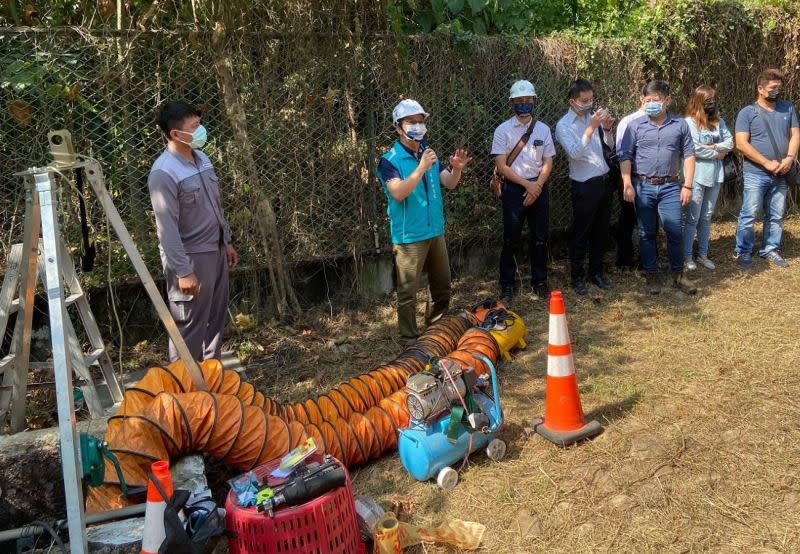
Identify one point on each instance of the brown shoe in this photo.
(682, 282)
(653, 282)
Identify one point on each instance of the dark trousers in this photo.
(591, 214)
(514, 217)
(625, 226)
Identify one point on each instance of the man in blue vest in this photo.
(411, 176)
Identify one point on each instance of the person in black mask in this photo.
(712, 142)
(523, 150)
(768, 135)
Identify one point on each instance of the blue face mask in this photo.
(525, 108)
(653, 108)
(199, 137)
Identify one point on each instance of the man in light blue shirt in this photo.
(579, 135)
(654, 147)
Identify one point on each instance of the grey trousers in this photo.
(201, 317)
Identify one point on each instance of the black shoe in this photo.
(542, 290)
(600, 281)
(580, 286)
(507, 296)
(653, 282)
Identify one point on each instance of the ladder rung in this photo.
(69, 300)
(6, 361)
(94, 356)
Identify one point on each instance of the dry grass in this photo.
(698, 397)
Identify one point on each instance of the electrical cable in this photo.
(53, 534)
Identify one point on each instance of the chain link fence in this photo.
(318, 114)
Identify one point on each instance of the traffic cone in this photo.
(563, 423)
(154, 532)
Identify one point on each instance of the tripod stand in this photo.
(42, 211)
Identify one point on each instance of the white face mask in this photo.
(415, 131)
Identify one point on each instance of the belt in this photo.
(655, 180)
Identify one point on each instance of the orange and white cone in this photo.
(154, 532)
(563, 422)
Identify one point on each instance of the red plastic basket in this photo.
(325, 525)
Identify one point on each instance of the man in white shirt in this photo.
(578, 133)
(525, 194)
(627, 214)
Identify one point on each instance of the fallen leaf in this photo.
(21, 111)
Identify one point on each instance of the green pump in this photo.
(93, 450)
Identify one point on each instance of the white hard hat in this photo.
(522, 88)
(407, 108)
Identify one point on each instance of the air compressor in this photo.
(454, 412)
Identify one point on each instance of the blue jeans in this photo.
(698, 218)
(767, 192)
(652, 202)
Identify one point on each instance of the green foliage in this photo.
(524, 17)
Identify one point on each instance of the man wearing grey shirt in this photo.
(194, 237)
(768, 135)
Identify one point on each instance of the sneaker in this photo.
(580, 286)
(507, 295)
(777, 260)
(682, 282)
(706, 263)
(688, 264)
(601, 282)
(542, 290)
(745, 260)
(653, 282)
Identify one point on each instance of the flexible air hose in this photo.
(356, 395)
(163, 416)
(242, 435)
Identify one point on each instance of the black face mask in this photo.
(710, 108)
(773, 95)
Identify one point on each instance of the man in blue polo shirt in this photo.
(652, 149)
(768, 135)
(411, 176)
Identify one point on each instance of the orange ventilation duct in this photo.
(163, 417)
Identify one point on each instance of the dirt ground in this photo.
(697, 396)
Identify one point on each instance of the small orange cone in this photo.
(154, 532)
(563, 423)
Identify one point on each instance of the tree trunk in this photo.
(282, 288)
(13, 14)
